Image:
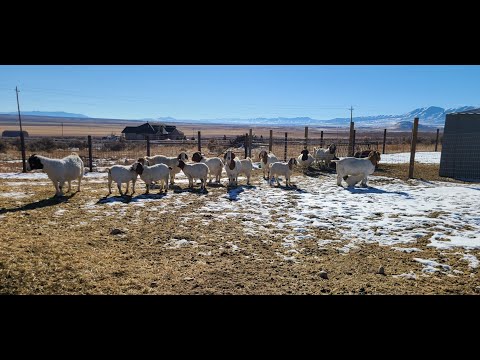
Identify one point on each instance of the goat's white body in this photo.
(271, 158)
(323, 156)
(121, 174)
(280, 168)
(170, 161)
(60, 170)
(159, 172)
(244, 166)
(354, 167)
(196, 171)
(305, 163)
(215, 167)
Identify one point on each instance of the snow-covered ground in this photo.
(391, 212)
(421, 157)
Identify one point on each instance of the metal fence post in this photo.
(148, 145)
(285, 153)
(199, 142)
(321, 139)
(436, 141)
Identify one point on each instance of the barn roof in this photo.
(468, 112)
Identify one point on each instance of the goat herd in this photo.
(161, 168)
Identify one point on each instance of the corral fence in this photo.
(98, 153)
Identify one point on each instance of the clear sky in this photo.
(230, 91)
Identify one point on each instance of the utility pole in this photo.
(351, 113)
(22, 139)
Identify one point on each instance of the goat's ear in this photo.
(233, 155)
(225, 156)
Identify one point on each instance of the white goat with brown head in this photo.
(234, 167)
(282, 168)
(357, 168)
(267, 159)
(326, 155)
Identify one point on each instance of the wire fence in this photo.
(105, 153)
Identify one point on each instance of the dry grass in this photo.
(63, 247)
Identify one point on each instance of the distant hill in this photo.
(61, 114)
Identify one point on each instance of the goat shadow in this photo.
(55, 200)
(372, 190)
(292, 187)
(198, 191)
(234, 191)
(126, 199)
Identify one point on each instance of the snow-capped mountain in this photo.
(432, 116)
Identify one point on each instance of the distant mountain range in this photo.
(430, 118)
(61, 114)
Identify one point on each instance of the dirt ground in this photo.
(50, 246)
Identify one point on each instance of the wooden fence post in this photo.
(306, 137)
(199, 142)
(90, 157)
(270, 142)
(285, 153)
(413, 147)
(250, 139)
(384, 140)
(436, 141)
(148, 145)
(350, 139)
(353, 141)
(245, 145)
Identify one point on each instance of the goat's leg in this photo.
(119, 186)
(133, 186)
(57, 191)
(69, 185)
(60, 186)
(339, 178)
(364, 181)
(79, 181)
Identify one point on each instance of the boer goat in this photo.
(124, 174)
(59, 170)
(325, 155)
(234, 167)
(170, 161)
(267, 159)
(215, 165)
(282, 168)
(351, 166)
(305, 159)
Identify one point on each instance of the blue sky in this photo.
(230, 91)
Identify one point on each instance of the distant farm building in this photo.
(14, 133)
(461, 146)
(154, 131)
